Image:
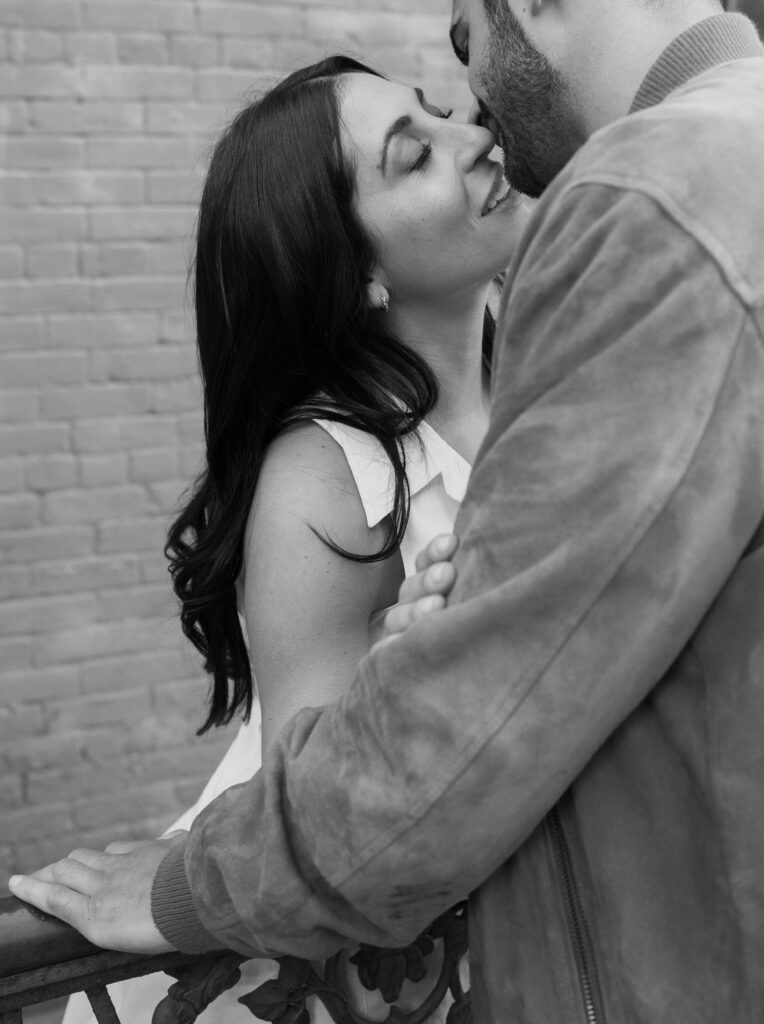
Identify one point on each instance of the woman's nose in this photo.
(475, 143)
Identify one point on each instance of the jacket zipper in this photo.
(578, 929)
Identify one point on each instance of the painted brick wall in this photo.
(108, 110)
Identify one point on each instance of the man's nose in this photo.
(481, 116)
(475, 115)
(473, 143)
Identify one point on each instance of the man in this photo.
(577, 737)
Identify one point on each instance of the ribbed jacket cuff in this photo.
(172, 907)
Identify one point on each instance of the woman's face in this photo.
(427, 191)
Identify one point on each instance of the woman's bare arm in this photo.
(307, 608)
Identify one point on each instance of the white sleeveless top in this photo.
(437, 477)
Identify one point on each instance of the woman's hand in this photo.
(427, 590)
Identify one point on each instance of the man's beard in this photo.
(529, 104)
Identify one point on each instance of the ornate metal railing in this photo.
(43, 959)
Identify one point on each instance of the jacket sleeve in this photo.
(617, 488)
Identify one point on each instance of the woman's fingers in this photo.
(440, 549)
(426, 591)
(401, 616)
(435, 574)
(437, 579)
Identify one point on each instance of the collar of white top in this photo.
(427, 457)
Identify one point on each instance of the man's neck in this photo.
(625, 49)
(713, 41)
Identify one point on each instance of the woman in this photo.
(348, 239)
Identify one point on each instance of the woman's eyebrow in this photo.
(398, 126)
(395, 129)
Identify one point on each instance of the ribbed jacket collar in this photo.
(715, 40)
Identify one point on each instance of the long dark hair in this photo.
(284, 335)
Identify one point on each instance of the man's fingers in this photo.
(70, 873)
(122, 846)
(51, 898)
(113, 908)
(93, 858)
(439, 549)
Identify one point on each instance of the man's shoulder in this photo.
(723, 106)
(698, 157)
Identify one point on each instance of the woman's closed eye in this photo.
(426, 151)
(424, 155)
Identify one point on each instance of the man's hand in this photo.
(105, 896)
(428, 589)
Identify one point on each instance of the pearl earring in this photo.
(384, 302)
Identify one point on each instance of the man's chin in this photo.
(522, 179)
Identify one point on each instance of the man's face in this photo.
(521, 96)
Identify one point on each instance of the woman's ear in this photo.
(377, 295)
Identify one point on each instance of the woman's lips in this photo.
(498, 192)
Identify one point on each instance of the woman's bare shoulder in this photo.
(306, 481)
(307, 607)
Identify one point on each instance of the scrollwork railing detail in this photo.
(41, 959)
(195, 988)
(283, 1000)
